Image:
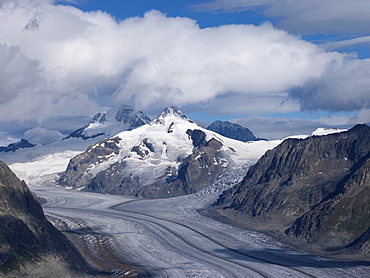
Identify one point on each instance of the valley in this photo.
(169, 238)
(158, 181)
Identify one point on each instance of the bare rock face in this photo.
(27, 238)
(18, 145)
(195, 173)
(233, 131)
(95, 154)
(316, 189)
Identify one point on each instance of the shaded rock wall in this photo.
(316, 189)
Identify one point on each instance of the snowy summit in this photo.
(166, 157)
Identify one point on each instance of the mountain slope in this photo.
(233, 131)
(111, 122)
(170, 156)
(18, 145)
(27, 239)
(316, 189)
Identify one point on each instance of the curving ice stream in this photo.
(169, 238)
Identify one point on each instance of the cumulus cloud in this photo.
(60, 61)
(5, 140)
(90, 57)
(39, 135)
(305, 17)
(18, 73)
(345, 87)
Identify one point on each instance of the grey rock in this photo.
(196, 172)
(198, 137)
(95, 154)
(233, 131)
(316, 189)
(27, 238)
(18, 145)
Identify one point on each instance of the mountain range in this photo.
(314, 190)
(167, 157)
(311, 190)
(124, 117)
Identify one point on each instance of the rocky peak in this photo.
(170, 113)
(233, 131)
(18, 145)
(99, 118)
(111, 122)
(123, 114)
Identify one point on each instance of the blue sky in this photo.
(278, 67)
(122, 9)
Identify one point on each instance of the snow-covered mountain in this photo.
(169, 156)
(111, 122)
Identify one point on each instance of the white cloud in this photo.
(5, 140)
(330, 46)
(65, 62)
(305, 17)
(154, 59)
(18, 73)
(39, 135)
(345, 86)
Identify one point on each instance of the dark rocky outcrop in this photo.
(27, 239)
(198, 137)
(95, 154)
(18, 145)
(233, 131)
(78, 133)
(316, 190)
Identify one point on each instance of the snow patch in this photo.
(325, 131)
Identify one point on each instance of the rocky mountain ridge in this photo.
(315, 189)
(111, 122)
(18, 145)
(27, 239)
